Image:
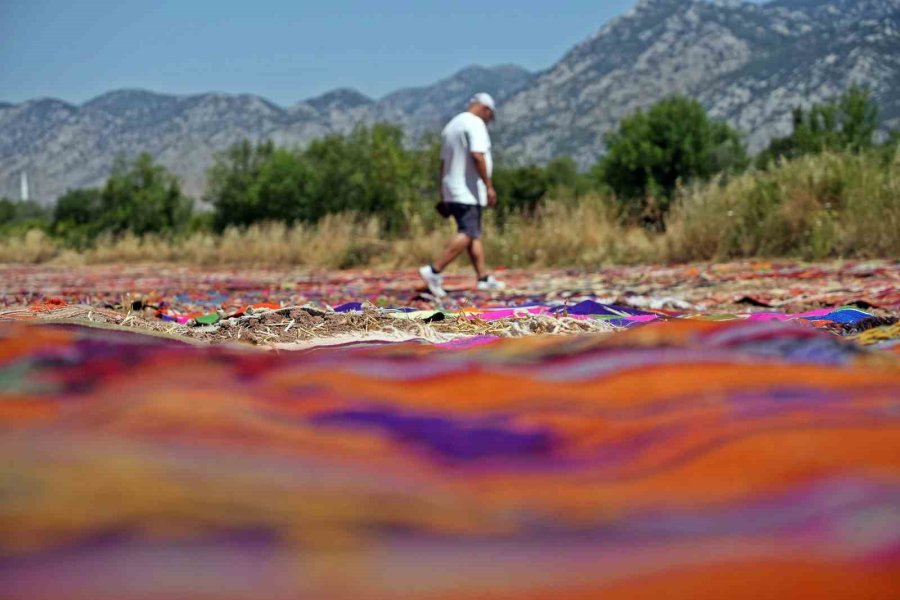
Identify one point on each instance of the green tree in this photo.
(18, 217)
(653, 151)
(562, 176)
(847, 123)
(427, 176)
(77, 216)
(368, 171)
(858, 117)
(283, 189)
(7, 211)
(519, 189)
(142, 197)
(229, 180)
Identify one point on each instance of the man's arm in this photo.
(440, 181)
(481, 169)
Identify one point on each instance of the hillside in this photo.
(64, 146)
(749, 64)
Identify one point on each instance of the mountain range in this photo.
(749, 64)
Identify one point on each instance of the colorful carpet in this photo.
(849, 299)
(748, 458)
(181, 293)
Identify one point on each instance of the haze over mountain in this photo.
(747, 63)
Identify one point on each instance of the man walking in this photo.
(466, 189)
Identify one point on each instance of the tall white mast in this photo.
(23, 190)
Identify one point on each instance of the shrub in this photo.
(229, 180)
(368, 172)
(848, 124)
(817, 206)
(519, 190)
(142, 197)
(672, 143)
(19, 217)
(77, 216)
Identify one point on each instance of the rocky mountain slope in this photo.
(63, 146)
(748, 63)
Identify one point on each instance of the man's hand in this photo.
(491, 196)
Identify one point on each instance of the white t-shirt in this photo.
(464, 134)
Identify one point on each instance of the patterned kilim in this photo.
(682, 459)
(291, 309)
(180, 294)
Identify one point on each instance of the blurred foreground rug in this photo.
(689, 459)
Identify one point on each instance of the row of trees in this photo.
(653, 152)
(371, 172)
(139, 197)
(368, 171)
(846, 124)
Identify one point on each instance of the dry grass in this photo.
(563, 233)
(338, 241)
(814, 207)
(32, 247)
(287, 327)
(581, 234)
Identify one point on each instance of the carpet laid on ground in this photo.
(291, 310)
(183, 293)
(680, 458)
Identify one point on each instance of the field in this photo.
(222, 376)
(213, 305)
(813, 208)
(652, 431)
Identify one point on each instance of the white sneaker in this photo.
(434, 281)
(491, 284)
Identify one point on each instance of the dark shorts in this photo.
(467, 217)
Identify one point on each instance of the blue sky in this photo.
(281, 49)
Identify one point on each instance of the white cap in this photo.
(484, 99)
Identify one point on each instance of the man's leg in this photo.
(476, 254)
(453, 249)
